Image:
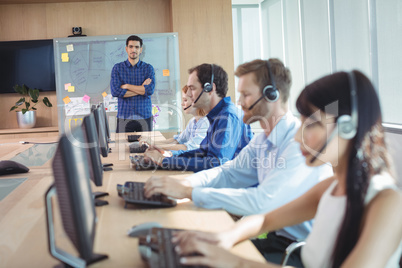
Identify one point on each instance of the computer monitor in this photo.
(71, 171)
(102, 107)
(92, 148)
(101, 129)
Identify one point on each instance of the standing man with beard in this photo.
(133, 82)
(268, 173)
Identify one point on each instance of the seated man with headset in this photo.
(268, 173)
(226, 135)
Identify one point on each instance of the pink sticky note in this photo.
(86, 98)
(66, 86)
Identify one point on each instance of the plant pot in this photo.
(26, 120)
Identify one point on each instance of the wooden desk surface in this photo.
(23, 231)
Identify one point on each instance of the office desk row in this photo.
(23, 231)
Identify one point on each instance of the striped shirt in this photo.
(136, 107)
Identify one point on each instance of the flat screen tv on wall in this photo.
(28, 62)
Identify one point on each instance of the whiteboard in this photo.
(83, 68)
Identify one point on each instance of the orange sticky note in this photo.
(71, 89)
(166, 72)
(104, 94)
(66, 100)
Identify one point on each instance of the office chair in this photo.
(290, 249)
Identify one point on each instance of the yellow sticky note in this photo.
(104, 94)
(166, 72)
(64, 57)
(66, 100)
(70, 47)
(71, 89)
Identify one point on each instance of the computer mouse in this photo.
(143, 229)
(11, 167)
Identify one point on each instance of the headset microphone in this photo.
(188, 107)
(255, 103)
(334, 132)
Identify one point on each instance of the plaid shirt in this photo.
(136, 107)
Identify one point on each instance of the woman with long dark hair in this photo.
(358, 219)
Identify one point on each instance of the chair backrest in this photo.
(289, 250)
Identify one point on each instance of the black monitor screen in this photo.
(101, 128)
(92, 146)
(27, 62)
(102, 107)
(71, 175)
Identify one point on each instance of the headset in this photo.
(346, 125)
(207, 86)
(269, 92)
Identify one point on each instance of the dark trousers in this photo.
(273, 247)
(128, 125)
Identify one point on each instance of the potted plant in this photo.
(25, 106)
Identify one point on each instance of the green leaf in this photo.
(24, 111)
(19, 89)
(34, 94)
(20, 101)
(25, 89)
(27, 104)
(47, 102)
(13, 108)
(33, 108)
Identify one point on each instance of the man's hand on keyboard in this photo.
(154, 155)
(176, 188)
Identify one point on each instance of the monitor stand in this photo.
(99, 202)
(107, 167)
(66, 258)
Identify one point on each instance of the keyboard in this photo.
(139, 163)
(133, 138)
(133, 193)
(135, 147)
(158, 251)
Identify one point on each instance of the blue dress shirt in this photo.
(226, 136)
(193, 135)
(136, 107)
(268, 173)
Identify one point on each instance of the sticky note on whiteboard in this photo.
(86, 98)
(71, 89)
(66, 86)
(104, 94)
(64, 57)
(166, 72)
(66, 100)
(70, 47)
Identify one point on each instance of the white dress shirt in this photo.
(268, 173)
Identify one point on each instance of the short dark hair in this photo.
(134, 38)
(204, 73)
(282, 75)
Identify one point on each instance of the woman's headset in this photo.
(346, 125)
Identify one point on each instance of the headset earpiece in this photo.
(347, 124)
(209, 86)
(270, 92)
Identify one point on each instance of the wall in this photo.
(204, 27)
(205, 35)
